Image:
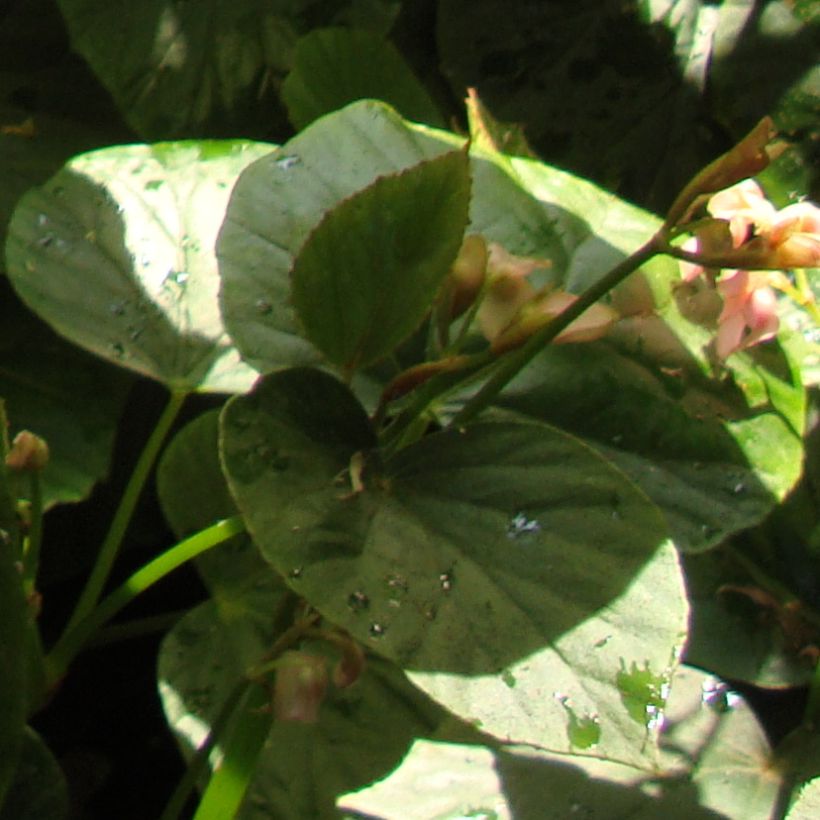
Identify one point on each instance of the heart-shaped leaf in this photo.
(280, 201)
(329, 72)
(486, 560)
(368, 274)
(116, 253)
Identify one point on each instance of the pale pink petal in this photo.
(730, 335)
(802, 218)
(689, 271)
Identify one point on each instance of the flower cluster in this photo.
(747, 231)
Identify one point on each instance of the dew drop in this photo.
(296, 573)
(739, 488)
(358, 601)
(446, 581)
(288, 162)
(117, 308)
(397, 582)
(42, 220)
(520, 525)
(45, 241)
(263, 307)
(377, 630)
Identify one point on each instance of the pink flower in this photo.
(749, 312)
(794, 236)
(743, 206)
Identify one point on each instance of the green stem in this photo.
(198, 764)
(75, 638)
(110, 546)
(395, 436)
(515, 361)
(243, 741)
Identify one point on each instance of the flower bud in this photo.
(301, 683)
(592, 324)
(28, 453)
(467, 274)
(746, 159)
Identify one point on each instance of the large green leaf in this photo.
(487, 561)
(715, 447)
(280, 200)
(116, 253)
(715, 765)
(60, 393)
(368, 274)
(302, 768)
(333, 67)
(207, 68)
(753, 410)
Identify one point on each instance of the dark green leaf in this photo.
(193, 495)
(116, 253)
(39, 789)
(368, 274)
(333, 67)
(209, 68)
(487, 561)
(62, 394)
(13, 617)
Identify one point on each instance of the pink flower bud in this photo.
(28, 453)
(301, 683)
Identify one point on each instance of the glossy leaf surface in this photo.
(116, 253)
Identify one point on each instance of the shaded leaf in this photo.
(714, 766)
(732, 637)
(302, 766)
(116, 253)
(39, 790)
(195, 69)
(13, 639)
(64, 395)
(369, 272)
(488, 560)
(333, 67)
(193, 495)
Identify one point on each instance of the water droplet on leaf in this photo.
(377, 630)
(288, 162)
(263, 307)
(357, 601)
(520, 525)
